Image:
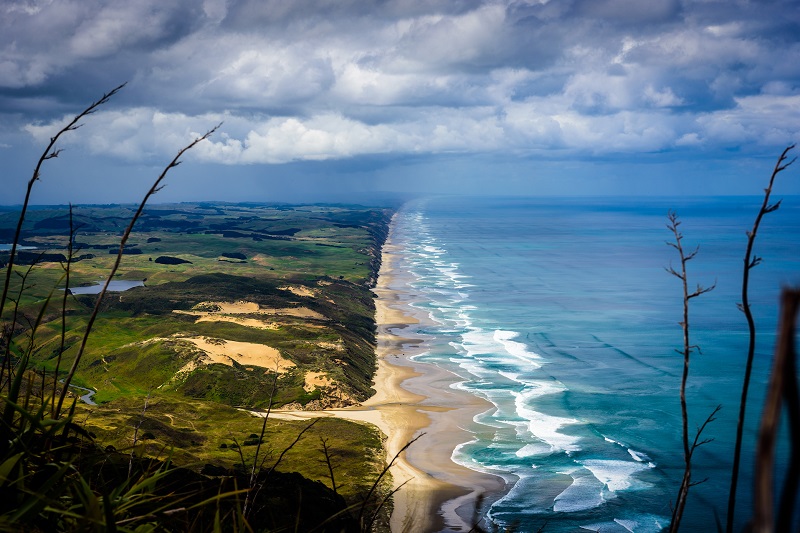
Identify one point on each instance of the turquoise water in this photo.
(561, 314)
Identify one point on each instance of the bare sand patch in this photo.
(225, 308)
(299, 291)
(241, 307)
(316, 380)
(337, 346)
(244, 353)
(300, 312)
(184, 372)
(246, 322)
(214, 310)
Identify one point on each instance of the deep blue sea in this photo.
(561, 314)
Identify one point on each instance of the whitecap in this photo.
(639, 456)
(584, 493)
(546, 427)
(533, 449)
(630, 525)
(477, 341)
(515, 348)
(644, 523)
(604, 527)
(616, 475)
(513, 376)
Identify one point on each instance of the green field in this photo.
(236, 299)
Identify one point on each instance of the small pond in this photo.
(114, 286)
(7, 247)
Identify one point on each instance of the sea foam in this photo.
(614, 474)
(585, 492)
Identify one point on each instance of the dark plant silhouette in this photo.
(783, 390)
(256, 466)
(750, 262)
(42, 450)
(367, 518)
(63, 337)
(157, 186)
(49, 153)
(686, 351)
(328, 456)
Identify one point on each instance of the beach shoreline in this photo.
(413, 400)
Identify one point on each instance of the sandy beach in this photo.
(414, 399)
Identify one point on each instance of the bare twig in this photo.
(254, 469)
(157, 186)
(136, 434)
(67, 269)
(292, 445)
(241, 455)
(261, 484)
(326, 451)
(688, 348)
(377, 482)
(368, 526)
(49, 153)
(7, 374)
(750, 261)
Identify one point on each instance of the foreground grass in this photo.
(195, 434)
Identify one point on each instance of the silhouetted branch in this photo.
(136, 433)
(711, 418)
(260, 440)
(368, 525)
(750, 262)
(67, 269)
(783, 388)
(688, 449)
(153, 189)
(48, 153)
(377, 482)
(6, 370)
(292, 445)
(328, 462)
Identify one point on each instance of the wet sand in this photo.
(414, 399)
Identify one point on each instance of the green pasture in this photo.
(320, 258)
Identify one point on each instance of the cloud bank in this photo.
(329, 80)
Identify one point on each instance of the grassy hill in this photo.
(237, 301)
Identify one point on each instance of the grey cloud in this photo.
(629, 12)
(280, 15)
(324, 80)
(66, 41)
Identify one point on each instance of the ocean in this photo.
(560, 313)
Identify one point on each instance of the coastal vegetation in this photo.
(306, 296)
(250, 307)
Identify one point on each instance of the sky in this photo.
(338, 99)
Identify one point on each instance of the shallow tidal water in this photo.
(561, 314)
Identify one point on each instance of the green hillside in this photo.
(239, 304)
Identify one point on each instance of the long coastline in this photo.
(415, 400)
